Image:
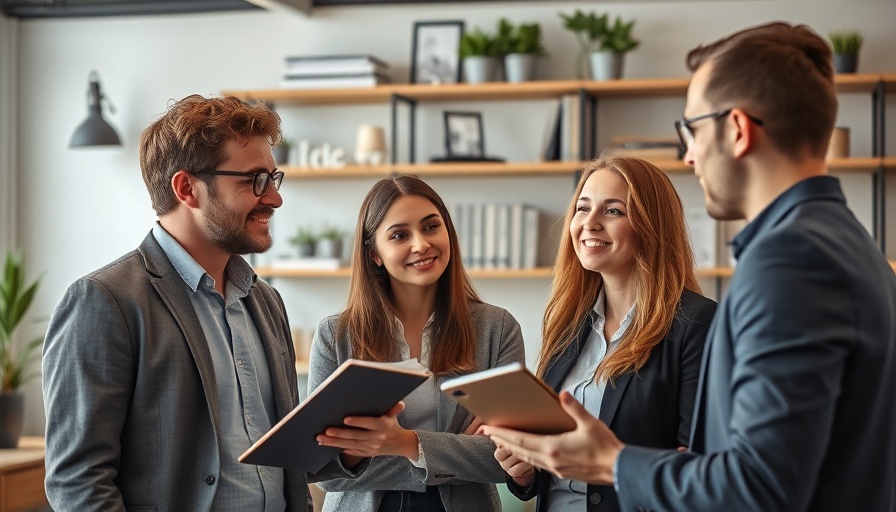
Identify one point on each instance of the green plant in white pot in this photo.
(479, 55)
(846, 45)
(522, 46)
(16, 362)
(588, 29)
(329, 245)
(607, 62)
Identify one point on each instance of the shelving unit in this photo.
(591, 91)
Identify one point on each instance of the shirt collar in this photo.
(826, 188)
(238, 271)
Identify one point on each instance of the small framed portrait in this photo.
(463, 135)
(435, 57)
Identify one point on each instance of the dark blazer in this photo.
(651, 408)
(129, 388)
(797, 398)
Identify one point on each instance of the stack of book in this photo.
(333, 71)
(497, 236)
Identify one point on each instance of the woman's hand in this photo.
(369, 436)
(522, 473)
(587, 453)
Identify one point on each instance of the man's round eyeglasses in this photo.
(686, 133)
(260, 180)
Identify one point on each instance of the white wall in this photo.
(78, 209)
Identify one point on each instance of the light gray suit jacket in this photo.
(129, 388)
(463, 466)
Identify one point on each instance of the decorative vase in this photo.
(846, 62)
(12, 416)
(520, 67)
(480, 69)
(606, 65)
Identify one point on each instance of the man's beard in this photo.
(227, 228)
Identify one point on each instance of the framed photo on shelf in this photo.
(435, 58)
(463, 135)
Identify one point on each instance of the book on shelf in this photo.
(322, 61)
(498, 235)
(334, 82)
(649, 149)
(356, 388)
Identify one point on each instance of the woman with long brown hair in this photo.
(625, 324)
(410, 297)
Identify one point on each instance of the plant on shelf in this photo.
(588, 29)
(305, 239)
(618, 37)
(846, 45)
(15, 363)
(521, 47)
(479, 53)
(329, 245)
(281, 152)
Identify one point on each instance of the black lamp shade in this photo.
(95, 131)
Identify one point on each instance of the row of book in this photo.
(333, 71)
(497, 236)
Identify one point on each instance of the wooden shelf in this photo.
(492, 169)
(540, 272)
(490, 91)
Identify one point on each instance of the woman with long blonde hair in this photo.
(411, 298)
(625, 323)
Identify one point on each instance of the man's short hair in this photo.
(780, 73)
(191, 135)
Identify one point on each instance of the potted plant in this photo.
(846, 45)
(329, 245)
(522, 47)
(615, 42)
(479, 56)
(15, 362)
(281, 152)
(305, 241)
(588, 29)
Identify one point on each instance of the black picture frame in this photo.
(464, 137)
(435, 54)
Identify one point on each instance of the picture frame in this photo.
(464, 137)
(435, 54)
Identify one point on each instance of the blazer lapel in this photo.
(276, 351)
(612, 396)
(560, 367)
(172, 291)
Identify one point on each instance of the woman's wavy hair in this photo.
(664, 267)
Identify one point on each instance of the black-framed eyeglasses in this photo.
(686, 133)
(260, 180)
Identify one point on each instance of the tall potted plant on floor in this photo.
(15, 361)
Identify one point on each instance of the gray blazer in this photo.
(464, 467)
(129, 389)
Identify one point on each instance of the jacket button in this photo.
(594, 498)
(210, 480)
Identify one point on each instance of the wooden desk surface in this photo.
(22, 475)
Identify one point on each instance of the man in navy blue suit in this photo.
(796, 405)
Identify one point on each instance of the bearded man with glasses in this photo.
(795, 402)
(164, 366)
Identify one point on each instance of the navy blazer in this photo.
(652, 407)
(797, 398)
